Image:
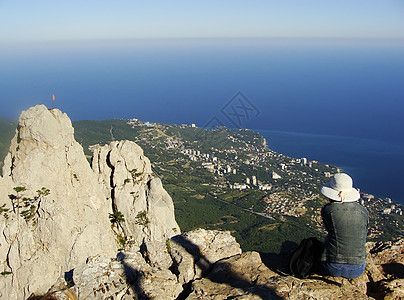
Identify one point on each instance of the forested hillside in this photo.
(7, 131)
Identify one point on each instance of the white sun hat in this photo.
(340, 188)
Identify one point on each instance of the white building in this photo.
(276, 176)
(209, 166)
(254, 180)
(238, 186)
(387, 211)
(368, 196)
(265, 187)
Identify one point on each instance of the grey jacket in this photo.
(347, 227)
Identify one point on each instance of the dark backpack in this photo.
(306, 258)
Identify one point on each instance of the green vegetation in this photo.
(16, 199)
(29, 213)
(252, 231)
(4, 211)
(116, 218)
(89, 133)
(75, 177)
(142, 219)
(168, 246)
(28, 205)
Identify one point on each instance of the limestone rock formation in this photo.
(137, 194)
(56, 211)
(64, 222)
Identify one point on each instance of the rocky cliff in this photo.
(107, 231)
(56, 211)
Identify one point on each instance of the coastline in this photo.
(375, 166)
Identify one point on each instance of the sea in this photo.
(337, 101)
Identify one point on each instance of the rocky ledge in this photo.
(194, 273)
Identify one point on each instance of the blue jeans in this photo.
(343, 270)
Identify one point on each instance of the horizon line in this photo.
(207, 38)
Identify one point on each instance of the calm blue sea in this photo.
(377, 167)
(336, 101)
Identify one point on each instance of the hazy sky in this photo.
(50, 20)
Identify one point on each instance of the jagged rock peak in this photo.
(135, 192)
(49, 126)
(57, 212)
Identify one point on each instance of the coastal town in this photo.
(237, 162)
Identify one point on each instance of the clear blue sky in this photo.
(50, 20)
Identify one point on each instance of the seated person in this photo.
(346, 222)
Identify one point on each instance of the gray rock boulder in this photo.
(243, 276)
(126, 277)
(193, 253)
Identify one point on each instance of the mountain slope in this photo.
(7, 131)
